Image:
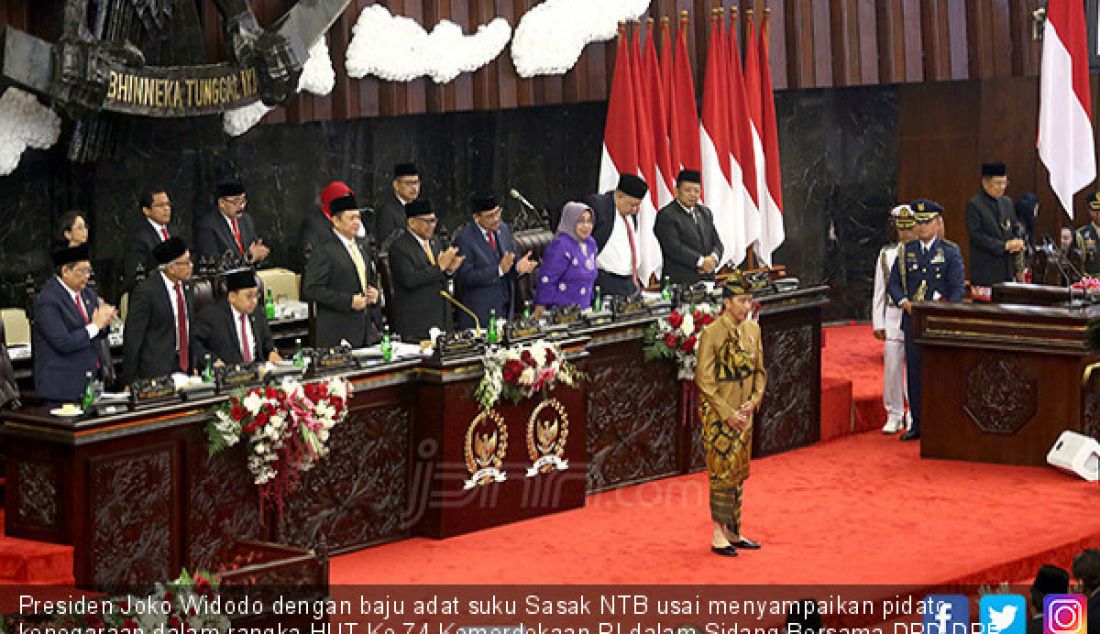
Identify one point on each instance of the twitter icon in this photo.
(1003, 614)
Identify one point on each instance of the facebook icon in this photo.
(946, 614)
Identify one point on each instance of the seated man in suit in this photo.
(616, 235)
(390, 212)
(157, 333)
(340, 278)
(70, 321)
(685, 229)
(486, 280)
(231, 330)
(420, 271)
(229, 229)
(146, 234)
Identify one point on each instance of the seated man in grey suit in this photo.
(685, 229)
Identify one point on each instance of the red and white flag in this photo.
(658, 117)
(649, 248)
(772, 232)
(1066, 143)
(620, 134)
(682, 114)
(742, 154)
(714, 145)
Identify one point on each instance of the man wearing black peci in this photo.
(991, 225)
(231, 330)
(616, 234)
(341, 280)
(389, 215)
(420, 270)
(685, 229)
(229, 229)
(157, 333)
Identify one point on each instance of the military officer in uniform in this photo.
(1088, 238)
(927, 269)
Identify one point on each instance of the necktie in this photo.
(633, 252)
(164, 233)
(181, 327)
(246, 349)
(492, 241)
(237, 235)
(428, 251)
(360, 266)
(80, 307)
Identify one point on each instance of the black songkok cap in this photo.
(418, 207)
(230, 188)
(404, 169)
(632, 185)
(1051, 580)
(342, 204)
(69, 255)
(241, 278)
(688, 176)
(994, 169)
(481, 201)
(169, 250)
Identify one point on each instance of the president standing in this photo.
(231, 330)
(157, 334)
(70, 325)
(487, 278)
(340, 278)
(991, 225)
(685, 229)
(420, 270)
(616, 234)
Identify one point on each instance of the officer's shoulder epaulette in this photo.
(950, 244)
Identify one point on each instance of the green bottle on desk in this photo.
(527, 309)
(269, 306)
(666, 290)
(89, 392)
(298, 360)
(208, 370)
(386, 345)
(597, 299)
(491, 334)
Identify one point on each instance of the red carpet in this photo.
(852, 353)
(24, 561)
(862, 509)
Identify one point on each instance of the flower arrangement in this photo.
(677, 337)
(521, 371)
(1087, 284)
(287, 429)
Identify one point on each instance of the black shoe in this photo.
(912, 434)
(747, 544)
(725, 551)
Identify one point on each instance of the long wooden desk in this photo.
(1002, 381)
(138, 497)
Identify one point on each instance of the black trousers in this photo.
(912, 371)
(611, 284)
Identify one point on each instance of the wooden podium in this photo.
(1000, 382)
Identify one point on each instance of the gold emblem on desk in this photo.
(547, 433)
(485, 447)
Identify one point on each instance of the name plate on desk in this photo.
(522, 329)
(238, 375)
(694, 294)
(562, 317)
(148, 392)
(337, 358)
(456, 344)
(629, 306)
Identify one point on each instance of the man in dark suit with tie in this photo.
(231, 330)
(486, 280)
(689, 242)
(389, 213)
(340, 278)
(927, 269)
(420, 270)
(991, 224)
(145, 234)
(229, 229)
(157, 333)
(616, 234)
(70, 324)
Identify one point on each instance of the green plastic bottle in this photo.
(491, 334)
(89, 392)
(208, 370)
(666, 290)
(269, 306)
(597, 300)
(527, 309)
(387, 345)
(298, 360)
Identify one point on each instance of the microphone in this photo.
(461, 306)
(514, 193)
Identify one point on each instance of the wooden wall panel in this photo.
(812, 44)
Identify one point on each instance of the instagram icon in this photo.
(1064, 614)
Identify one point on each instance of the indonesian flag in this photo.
(771, 199)
(1066, 144)
(755, 101)
(683, 116)
(658, 117)
(620, 145)
(742, 156)
(718, 193)
(649, 248)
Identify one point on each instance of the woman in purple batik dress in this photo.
(568, 268)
